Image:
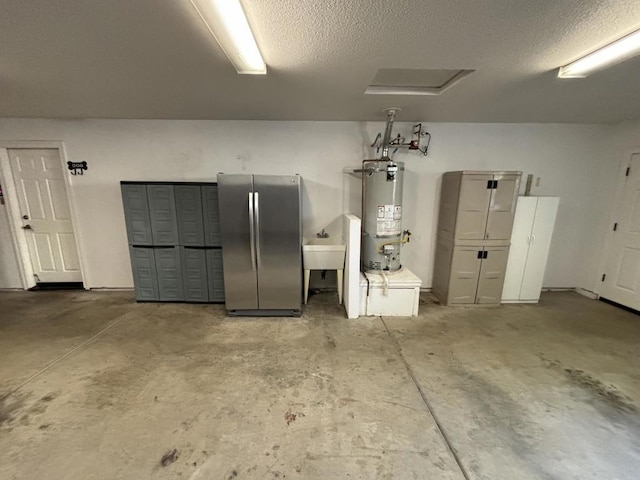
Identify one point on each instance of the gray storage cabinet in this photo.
(474, 231)
(136, 214)
(214, 274)
(145, 278)
(173, 231)
(211, 214)
(190, 215)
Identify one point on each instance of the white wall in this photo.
(567, 158)
(9, 276)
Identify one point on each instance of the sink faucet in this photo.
(323, 234)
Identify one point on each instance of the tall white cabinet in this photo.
(530, 241)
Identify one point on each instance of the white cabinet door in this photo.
(520, 239)
(539, 248)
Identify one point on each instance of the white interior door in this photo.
(46, 218)
(622, 274)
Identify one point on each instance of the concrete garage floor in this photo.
(94, 386)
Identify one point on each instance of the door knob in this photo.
(25, 217)
(27, 227)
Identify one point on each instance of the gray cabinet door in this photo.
(189, 215)
(169, 273)
(136, 214)
(145, 279)
(211, 216)
(465, 270)
(502, 207)
(492, 273)
(215, 275)
(475, 195)
(162, 210)
(194, 274)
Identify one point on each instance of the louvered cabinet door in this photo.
(136, 214)
(194, 274)
(502, 207)
(215, 275)
(491, 282)
(169, 272)
(473, 205)
(189, 215)
(211, 216)
(162, 210)
(465, 270)
(145, 278)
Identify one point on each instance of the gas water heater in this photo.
(382, 208)
(382, 234)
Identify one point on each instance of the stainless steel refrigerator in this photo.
(261, 226)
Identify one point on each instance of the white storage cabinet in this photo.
(530, 241)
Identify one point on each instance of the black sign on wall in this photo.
(77, 168)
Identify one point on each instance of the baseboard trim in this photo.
(111, 289)
(587, 293)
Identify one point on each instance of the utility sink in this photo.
(323, 253)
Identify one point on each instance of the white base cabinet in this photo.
(530, 241)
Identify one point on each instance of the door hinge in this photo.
(604, 275)
(615, 226)
(627, 172)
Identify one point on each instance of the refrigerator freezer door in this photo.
(278, 241)
(240, 282)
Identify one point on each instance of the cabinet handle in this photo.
(479, 253)
(533, 238)
(529, 239)
(485, 254)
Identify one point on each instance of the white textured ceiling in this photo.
(155, 59)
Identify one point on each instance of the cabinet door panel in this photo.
(162, 210)
(473, 206)
(145, 278)
(520, 240)
(169, 274)
(215, 275)
(189, 215)
(211, 216)
(541, 233)
(502, 207)
(136, 214)
(465, 268)
(492, 275)
(194, 274)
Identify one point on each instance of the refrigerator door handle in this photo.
(252, 234)
(257, 216)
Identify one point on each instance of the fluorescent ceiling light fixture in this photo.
(228, 24)
(616, 52)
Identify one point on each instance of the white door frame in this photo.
(613, 212)
(10, 191)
